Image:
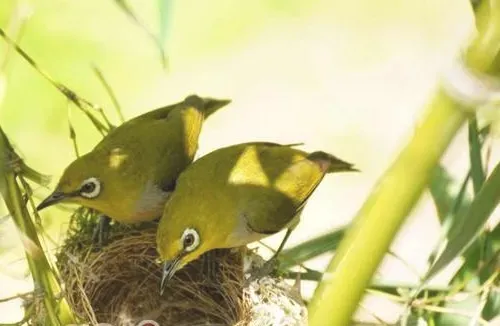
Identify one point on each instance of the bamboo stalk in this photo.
(46, 284)
(382, 214)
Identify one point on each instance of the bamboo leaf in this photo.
(475, 217)
(492, 308)
(439, 188)
(310, 249)
(476, 161)
(450, 207)
(448, 202)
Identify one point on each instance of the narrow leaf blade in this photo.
(311, 248)
(475, 217)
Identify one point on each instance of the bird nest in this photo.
(119, 284)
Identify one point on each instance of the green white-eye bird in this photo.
(132, 171)
(237, 195)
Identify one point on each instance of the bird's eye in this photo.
(90, 188)
(190, 240)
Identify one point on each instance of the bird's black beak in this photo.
(169, 269)
(54, 198)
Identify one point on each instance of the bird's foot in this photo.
(269, 267)
(210, 266)
(100, 235)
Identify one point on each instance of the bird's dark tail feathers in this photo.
(330, 163)
(209, 105)
(213, 105)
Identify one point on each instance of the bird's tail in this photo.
(330, 163)
(213, 105)
(209, 105)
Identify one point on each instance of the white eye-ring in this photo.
(190, 239)
(90, 188)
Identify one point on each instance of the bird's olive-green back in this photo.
(149, 151)
(161, 142)
(263, 185)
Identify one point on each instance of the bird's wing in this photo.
(291, 179)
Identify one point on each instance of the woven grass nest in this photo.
(119, 284)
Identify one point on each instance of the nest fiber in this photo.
(119, 283)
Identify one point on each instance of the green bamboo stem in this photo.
(382, 214)
(46, 285)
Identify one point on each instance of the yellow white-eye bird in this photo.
(131, 173)
(237, 195)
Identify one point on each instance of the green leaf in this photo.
(34, 175)
(492, 307)
(310, 249)
(476, 161)
(471, 225)
(448, 202)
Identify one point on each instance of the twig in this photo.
(450, 311)
(128, 11)
(80, 102)
(72, 134)
(406, 264)
(379, 320)
(17, 296)
(17, 25)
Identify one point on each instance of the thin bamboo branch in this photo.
(44, 278)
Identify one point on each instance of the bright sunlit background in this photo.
(347, 77)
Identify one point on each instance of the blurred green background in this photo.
(348, 77)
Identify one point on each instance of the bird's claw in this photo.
(101, 231)
(210, 265)
(269, 267)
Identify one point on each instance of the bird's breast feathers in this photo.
(150, 203)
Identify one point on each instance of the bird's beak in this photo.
(54, 198)
(169, 269)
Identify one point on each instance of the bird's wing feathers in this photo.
(292, 179)
(167, 136)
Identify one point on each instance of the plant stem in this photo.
(57, 310)
(382, 214)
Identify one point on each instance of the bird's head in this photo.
(182, 238)
(83, 182)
